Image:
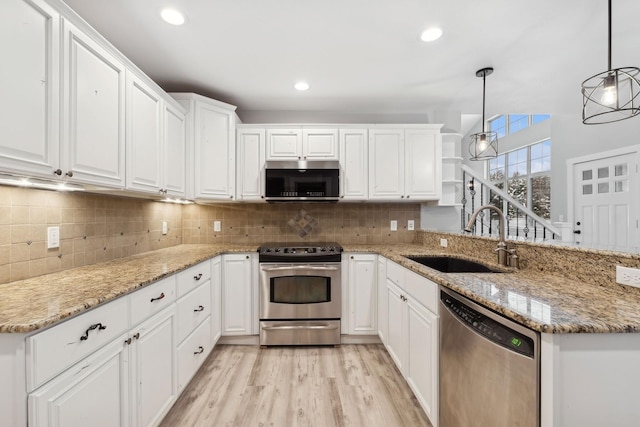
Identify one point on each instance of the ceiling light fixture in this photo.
(612, 95)
(172, 16)
(431, 34)
(301, 86)
(483, 145)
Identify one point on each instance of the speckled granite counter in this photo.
(542, 302)
(31, 304)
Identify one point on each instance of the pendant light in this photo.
(483, 145)
(612, 95)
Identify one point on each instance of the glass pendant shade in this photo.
(483, 145)
(611, 96)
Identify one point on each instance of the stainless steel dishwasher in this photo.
(489, 367)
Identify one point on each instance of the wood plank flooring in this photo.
(349, 385)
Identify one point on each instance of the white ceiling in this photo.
(364, 57)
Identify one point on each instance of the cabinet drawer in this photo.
(193, 308)
(193, 276)
(192, 352)
(395, 273)
(422, 289)
(152, 299)
(51, 351)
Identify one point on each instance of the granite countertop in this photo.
(31, 304)
(544, 303)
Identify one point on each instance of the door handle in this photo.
(299, 267)
(298, 327)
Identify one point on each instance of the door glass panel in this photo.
(603, 187)
(587, 189)
(620, 170)
(622, 186)
(587, 175)
(603, 172)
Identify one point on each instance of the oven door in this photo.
(300, 291)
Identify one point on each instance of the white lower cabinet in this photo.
(239, 293)
(412, 333)
(363, 304)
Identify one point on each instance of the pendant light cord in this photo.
(484, 88)
(609, 34)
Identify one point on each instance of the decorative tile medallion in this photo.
(302, 223)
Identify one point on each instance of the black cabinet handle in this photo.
(137, 335)
(200, 308)
(69, 174)
(97, 326)
(127, 341)
(158, 298)
(198, 277)
(200, 350)
(57, 172)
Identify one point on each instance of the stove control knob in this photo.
(323, 249)
(277, 249)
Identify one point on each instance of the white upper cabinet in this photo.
(302, 144)
(30, 87)
(405, 163)
(354, 175)
(211, 126)
(174, 150)
(93, 142)
(144, 136)
(250, 145)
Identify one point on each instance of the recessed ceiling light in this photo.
(301, 86)
(172, 16)
(431, 34)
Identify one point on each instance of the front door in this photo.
(605, 191)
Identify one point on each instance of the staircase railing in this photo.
(522, 222)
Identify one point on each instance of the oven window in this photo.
(300, 289)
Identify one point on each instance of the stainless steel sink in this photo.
(446, 264)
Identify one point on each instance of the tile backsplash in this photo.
(96, 228)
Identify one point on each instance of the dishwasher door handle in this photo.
(299, 327)
(300, 267)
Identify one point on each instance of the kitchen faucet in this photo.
(506, 257)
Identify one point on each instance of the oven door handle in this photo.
(299, 267)
(292, 327)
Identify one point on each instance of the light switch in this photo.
(217, 225)
(53, 237)
(411, 225)
(165, 227)
(394, 225)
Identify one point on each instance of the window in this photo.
(511, 123)
(525, 173)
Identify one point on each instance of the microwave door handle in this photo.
(299, 267)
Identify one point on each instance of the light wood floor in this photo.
(350, 385)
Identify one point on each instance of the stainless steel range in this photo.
(300, 293)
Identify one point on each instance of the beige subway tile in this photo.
(37, 267)
(53, 264)
(79, 259)
(37, 250)
(38, 233)
(19, 271)
(66, 262)
(37, 215)
(66, 215)
(5, 214)
(5, 234)
(54, 215)
(5, 273)
(19, 215)
(19, 233)
(5, 254)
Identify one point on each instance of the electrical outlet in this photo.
(444, 243)
(394, 225)
(217, 225)
(628, 276)
(53, 237)
(165, 227)
(411, 225)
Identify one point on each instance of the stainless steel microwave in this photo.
(304, 181)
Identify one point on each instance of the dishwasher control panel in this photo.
(489, 328)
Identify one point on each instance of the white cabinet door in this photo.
(215, 155)
(30, 87)
(397, 314)
(362, 294)
(251, 148)
(174, 151)
(93, 143)
(237, 294)
(94, 392)
(320, 144)
(153, 368)
(216, 300)
(386, 163)
(421, 370)
(354, 164)
(144, 136)
(284, 144)
(423, 162)
(382, 298)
